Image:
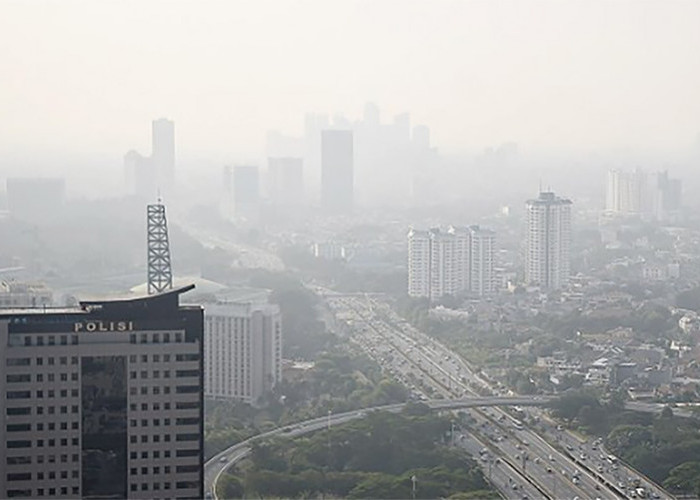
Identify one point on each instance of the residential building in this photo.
(243, 350)
(548, 241)
(626, 192)
(103, 400)
(460, 260)
(337, 184)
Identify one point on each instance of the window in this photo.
(19, 361)
(19, 411)
(17, 378)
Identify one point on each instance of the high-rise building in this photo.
(548, 241)
(286, 180)
(482, 248)
(246, 193)
(243, 350)
(163, 155)
(337, 171)
(460, 260)
(626, 192)
(666, 197)
(140, 176)
(104, 400)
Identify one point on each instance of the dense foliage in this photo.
(338, 382)
(370, 458)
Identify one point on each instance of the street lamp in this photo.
(414, 479)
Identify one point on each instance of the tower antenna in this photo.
(160, 274)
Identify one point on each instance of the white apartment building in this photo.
(460, 260)
(242, 350)
(548, 241)
(482, 248)
(626, 192)
(418, 263)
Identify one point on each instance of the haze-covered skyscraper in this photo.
(246, 193)
(285, 180)
(547, 261)
(163, 156)
(337, 177)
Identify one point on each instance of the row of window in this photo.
(27, 443)
(179, 405)
(50, 426)
(180, 469)
(52, 459)
(40, 476)
(156, 338)
(180, 485)
(41, 492)
(156, 422)
(50, 360)
(18, 378)
(41, 340)
(156, 438)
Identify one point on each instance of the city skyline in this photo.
(608, 58)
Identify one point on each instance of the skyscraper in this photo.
(246, 193)
(163, 155)
(243, 348)
(548, 241)
(337, 171)
(286, 180)
(104, 400)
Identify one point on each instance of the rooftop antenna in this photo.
(160, 274)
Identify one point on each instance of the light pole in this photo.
(414, 479)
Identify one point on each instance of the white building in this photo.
(626, 192)
(418, 263)
(460, 260)
(242, 350)
(14, 294)
(548, 241)
(482, 245)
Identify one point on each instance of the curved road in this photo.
(215, 466)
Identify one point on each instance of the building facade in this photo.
(626, 192)
(243, 350)
(460, 260)
(286, 181)
(548, 241)
(337, 177)
(104, 400)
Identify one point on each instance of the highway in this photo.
(430, 369)
(215, 466)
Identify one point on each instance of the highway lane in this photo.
(448, 371)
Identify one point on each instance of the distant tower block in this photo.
(160, 274)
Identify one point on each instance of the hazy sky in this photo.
(89, 76)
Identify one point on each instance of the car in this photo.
(515, 486)
(223, 459)
(549, 469)
(575, 480)
(551, 458)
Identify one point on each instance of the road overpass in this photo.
(215, 467)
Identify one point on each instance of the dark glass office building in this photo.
(104, 400)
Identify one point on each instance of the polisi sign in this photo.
(103, 326)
